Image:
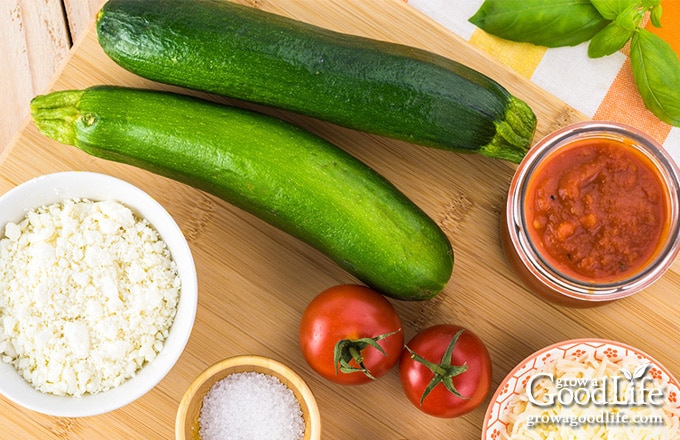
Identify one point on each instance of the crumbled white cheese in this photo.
(88, 293)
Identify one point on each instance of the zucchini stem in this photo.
(514, 133)
(55, 114)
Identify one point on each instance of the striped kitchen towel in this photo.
(602, 89)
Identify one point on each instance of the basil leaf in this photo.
(609, 9)
(609, 40)
(655, 16)
(630, 17)
(656, 70)
(551, 23)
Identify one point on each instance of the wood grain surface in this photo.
(255, 281)
(35, 39)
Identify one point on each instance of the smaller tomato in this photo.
(351, 334)
(445, 370)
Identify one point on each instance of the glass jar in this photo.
(532, 255)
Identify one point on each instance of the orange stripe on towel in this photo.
(669, 30)
(623, 102)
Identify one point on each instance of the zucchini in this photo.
(289, 177)
(372, 86)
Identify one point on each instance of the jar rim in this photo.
(528, 252)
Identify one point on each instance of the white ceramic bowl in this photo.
(515, 383)
(53, 188)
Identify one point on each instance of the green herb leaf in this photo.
(656, 70)
(655, 16)
(610, 9)
(609, 40)
(617, 33)
(631, 17)
(552, 23)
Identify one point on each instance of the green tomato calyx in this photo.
(444, 372)
(347, 351)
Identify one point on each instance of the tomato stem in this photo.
(347, 351)
(444, 372)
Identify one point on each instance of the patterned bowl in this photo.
(636, 367)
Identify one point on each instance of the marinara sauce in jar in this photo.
(592, 214)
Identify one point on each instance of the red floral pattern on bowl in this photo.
(495, 421)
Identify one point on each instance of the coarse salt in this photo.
(88, 293)
(251, 406)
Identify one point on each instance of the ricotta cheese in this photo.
(88, 293)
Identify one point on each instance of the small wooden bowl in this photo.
(186, 423)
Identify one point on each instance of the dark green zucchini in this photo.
(288, 177)
(377, 87)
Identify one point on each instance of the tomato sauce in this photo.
(597, 210)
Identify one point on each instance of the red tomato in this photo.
(463, 367)
(351, 334)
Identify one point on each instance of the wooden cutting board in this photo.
(255, 281)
